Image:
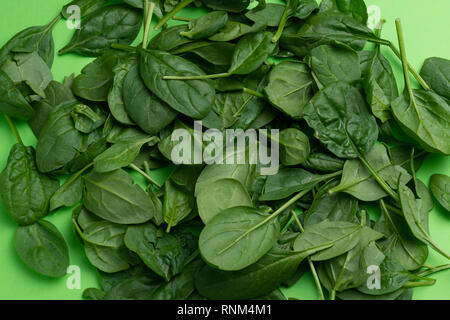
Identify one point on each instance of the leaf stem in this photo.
(311, 264)
(14, 130)
(172, 13)
(333, 294)
(181, 19)
(254, 93)
(401, 43)
(410, 68)
(433, 270)
(380, 180)
(208, 76)
(283, 21)
(414, 284)
(149, 8)
(78, 173)
(145, 175)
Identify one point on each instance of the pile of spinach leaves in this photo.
(226, 231)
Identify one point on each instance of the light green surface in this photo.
(426, 32)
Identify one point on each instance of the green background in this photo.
(425, 26)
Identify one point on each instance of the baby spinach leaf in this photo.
(332, 207)
(227, 5)
(323, 162)
(341, 120)
(417, 218)
(97, 77)
(256, 280)
(348, 238)
(206, 25)
(31, 69)
(226, 239)
(59, 141)
(119, 155)
(56, 93)
(178, 203)
(337, 62)
(294, 147)
(114, 197)
(115, 96)
(161, 252)
(440, 187)
(233, 30)
(251, 52)
(380, 85)
(290, 87)
(42, 247)
(25, 191)
(359, 182)
(244, 173)
(270, 15)
(68, 194)
(355, 8)
(105, 233)
(192, 97)
(424, 116)
(218, 54)
(34, 39)
(110, 24)
(435, 72)
(181, 286)
(399, 243)
(86, 7)
(220, 195)
(142, 106)
(107, 259)
(85, 119)
(289, 181)
(12, 102)
(169, 39)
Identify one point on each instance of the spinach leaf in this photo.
(105, 233)
(355, 8)
(142, 106)
(25, 191)
(435, 71)
(110, 24)
(417, 218)
(12, 102)
(270, 15)
(399, 243)
(59, 141)
(107, 259)
(251, 52)
(178, 203)
(220, 195)
(70, 192)
(161, 252)
(423, 115)
(227, 5)
(360, 183)
(206, 25)
(33, 39)
(96, 78)
(42, 247)
(119, 155)
(289, 181)
(234, 30)
(440, 186)
(86, 7)
(169, 39)
(218, 54)
(323, 162)
(341, 120)
(332, 207)
(85, 119)
(192, 97)
(294, 147)
(31, 69)
(331, 63)
(226, 239)
(290, 87)
(56, 93)
(254, 281)
(113, 197)
(380, 85)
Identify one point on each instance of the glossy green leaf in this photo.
(12, 102)
(435, 72)
(206, 25)
(440, 186)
